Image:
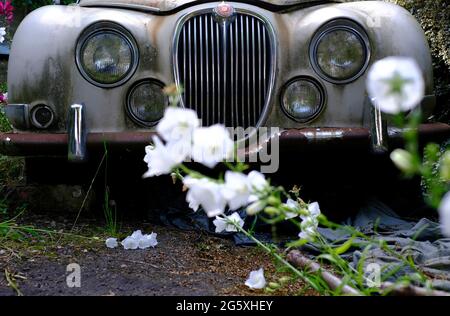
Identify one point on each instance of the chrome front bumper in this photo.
(46, 144)
(77, 142)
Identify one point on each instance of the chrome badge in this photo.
(223, 12)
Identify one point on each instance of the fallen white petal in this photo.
(111, 243)
(130, 243)
(148, 241)
(137, 234)
(256, 279)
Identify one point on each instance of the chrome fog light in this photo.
(147, 102)
(42, 116)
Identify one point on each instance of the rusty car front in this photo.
(94, 72)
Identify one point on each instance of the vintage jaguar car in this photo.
(94, 72)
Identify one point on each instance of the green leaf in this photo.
(344, 247)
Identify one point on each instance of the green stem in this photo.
(270, 251)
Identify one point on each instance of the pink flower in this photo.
(4, 97)
(6, 9)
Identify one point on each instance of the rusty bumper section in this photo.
(39, 144)
(356, 137)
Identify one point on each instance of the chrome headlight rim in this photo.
(320, 108)
(102, 28)
(340, 25)
(130, 112)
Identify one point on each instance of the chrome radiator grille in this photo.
(226, 69)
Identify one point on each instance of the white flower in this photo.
(444, 215)
(308, 233)
(190, 197)
(313, 211)
(310, 222)
(294, 206)
(256, 279)
(147, 241)
(177, 124)
(236, 189)
(161, 159)
(255, 207)
(130, 243)
(111, 243)
(211, 145)
(193, 203)
(223, 225)
(396, 84)
(206, 193)
(257, 181)
(403, 160)
(2, 34)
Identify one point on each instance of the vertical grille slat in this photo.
(243, 117)
(259, 66)
(213, 97)
(255, 102)
(232, 76)
(196, 83)
(225, 68)
(189, 52)
(236, 81)
(207, 66)
(201, 66)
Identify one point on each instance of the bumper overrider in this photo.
(77, 142)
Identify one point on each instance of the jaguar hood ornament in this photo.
(224, 12)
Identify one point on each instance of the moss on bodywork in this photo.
(54, 86)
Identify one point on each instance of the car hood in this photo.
(168, 5)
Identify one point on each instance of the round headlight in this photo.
(340, 51)
(107, 56)
(303, 99)
(147, 102)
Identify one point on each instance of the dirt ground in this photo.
(183, 263)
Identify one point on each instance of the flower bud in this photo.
(284, 280)
(255, 207)
(274, 285)
(403, 160)
(273, 201)
(174, 177)
(272, 211)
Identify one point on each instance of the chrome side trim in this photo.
(378, 129)
(77, 135)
